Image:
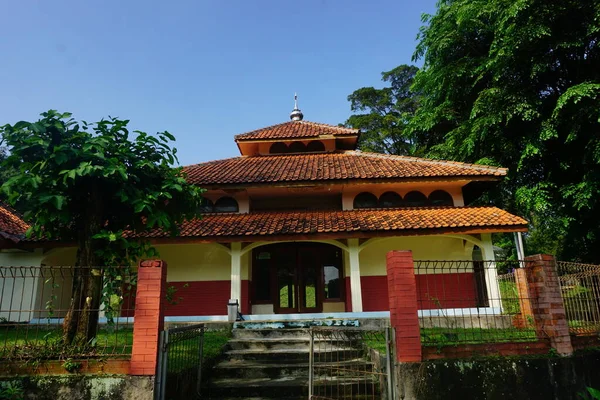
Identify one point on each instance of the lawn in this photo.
(28, 342)
(454, 336)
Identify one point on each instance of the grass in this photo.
(27, 342)
(30, 342)
(454, 336)
(184, 354)
(510, 297)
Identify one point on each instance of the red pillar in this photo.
(547, 304)
(148, 320)
(402, 292)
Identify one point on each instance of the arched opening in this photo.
(365, 200)
(440, 198)
(415, 199)
(315, 145)
(278, 148)
(226, 204)
(297, 277)
(390, 200)
(206, 206)
(297, 147)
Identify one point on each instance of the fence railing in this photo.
(180, 363)
(470, 302)
(580, 289)
(350, 363)
(35, 302)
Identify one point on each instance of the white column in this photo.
(355, 288)
(520, 249)
(491, 274)
(236, 271)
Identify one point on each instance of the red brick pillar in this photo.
(402, 292)
(148, 320)
(547, 303)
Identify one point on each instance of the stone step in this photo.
(286, 355)
(288, 387)
(270, 333)
(257, 369)
(297, 324)
(275, 343)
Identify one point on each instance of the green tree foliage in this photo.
(517, 84)
(87, 184)
(382, 114)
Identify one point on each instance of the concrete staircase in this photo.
(272, 363)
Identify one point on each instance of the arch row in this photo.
(224, 204)
(410, 199)
(297, 147)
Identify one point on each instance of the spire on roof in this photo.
(296, 114)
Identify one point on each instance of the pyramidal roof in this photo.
(333, 166)
(296, 129)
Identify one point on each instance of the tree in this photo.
(385, 113)
(517, 84)
(88, 183)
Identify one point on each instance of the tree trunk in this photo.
(81, 322)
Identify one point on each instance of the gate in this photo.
(350, 363)
(179, 373)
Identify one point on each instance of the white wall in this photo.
(19, 284)
(373, 256)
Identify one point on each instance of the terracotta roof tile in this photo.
(11, 224)
(296, 130)
(329, 166)
(395, 221)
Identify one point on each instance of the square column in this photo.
(236, 272)
(491, 274)
(355, 286)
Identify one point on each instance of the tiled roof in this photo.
(329, 166)
(296, 130)
(393, 221)
(11, 224)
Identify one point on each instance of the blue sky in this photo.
(203, 70)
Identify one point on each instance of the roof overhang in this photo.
(334, 224)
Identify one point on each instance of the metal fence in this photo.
(35, 301)
(580, 289)
(179, 374)
(350, 363)
(472, 302)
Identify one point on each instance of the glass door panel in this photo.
(309, 282)
(286, 294)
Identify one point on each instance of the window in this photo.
(390, 199)
(206, 205)
(333, 282)
(440, 198)
(297, 147)
(226, 204)
(415, 199)
(365, 200)
(278, 148)
(315, 145)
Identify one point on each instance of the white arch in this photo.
(468, 238)
(325, 241)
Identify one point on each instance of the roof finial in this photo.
(296, 114)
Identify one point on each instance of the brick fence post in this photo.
(402, 292)
(148, 320)
(547, 303)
